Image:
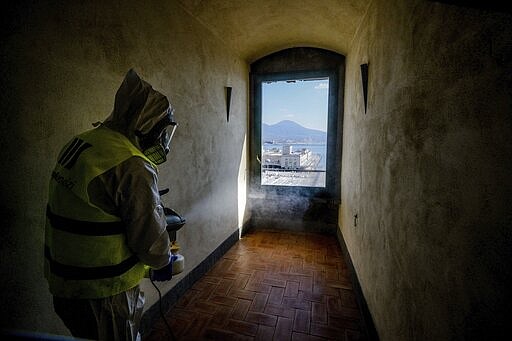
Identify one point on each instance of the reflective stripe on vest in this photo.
(86, 251)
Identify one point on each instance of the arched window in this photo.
(295, 130)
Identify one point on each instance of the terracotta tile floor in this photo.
(270, 286)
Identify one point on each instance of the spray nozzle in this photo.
(173, 219)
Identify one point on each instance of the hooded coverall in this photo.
(105, 219)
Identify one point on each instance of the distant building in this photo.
(271, 158)
(287, 149)
(287, 159)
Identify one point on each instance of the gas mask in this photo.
(158, 152)
(155, 144)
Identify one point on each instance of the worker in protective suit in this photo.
(105, 220)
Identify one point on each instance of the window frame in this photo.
(332, 133)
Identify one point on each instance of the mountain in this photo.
(291, 131)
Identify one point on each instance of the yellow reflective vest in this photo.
(86, 255)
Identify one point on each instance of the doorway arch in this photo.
(296, 207)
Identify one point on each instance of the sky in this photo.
(304, 102)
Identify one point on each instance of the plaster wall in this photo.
(428, 170)
(258, 28)
(61, 66)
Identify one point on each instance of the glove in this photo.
(163, 274)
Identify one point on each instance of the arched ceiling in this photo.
(254, 29)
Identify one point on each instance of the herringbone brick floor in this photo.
(270, 286)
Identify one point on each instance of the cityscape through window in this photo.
(294, 132)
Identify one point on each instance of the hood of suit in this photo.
(137, 108)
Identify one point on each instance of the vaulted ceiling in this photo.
(256, 28)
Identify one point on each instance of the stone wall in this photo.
(428, 170)
(61, 66)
